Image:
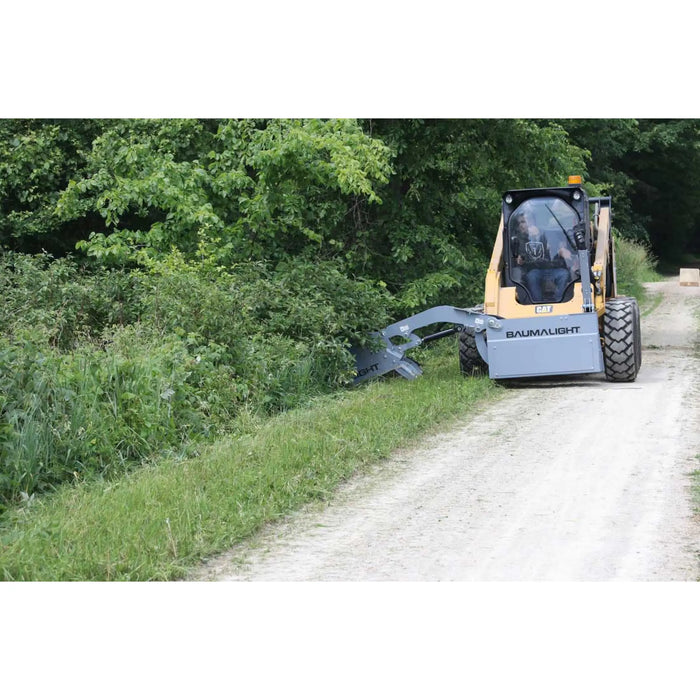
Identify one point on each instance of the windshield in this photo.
(543, 252)
(547, 214)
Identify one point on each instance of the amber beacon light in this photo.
(574, 179)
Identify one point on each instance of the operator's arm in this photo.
(566, 254)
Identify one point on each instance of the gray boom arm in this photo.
(373, 363)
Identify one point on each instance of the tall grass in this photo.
(159, 522)
(635, 265)
(69, 415)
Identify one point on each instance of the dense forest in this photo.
(161, 275)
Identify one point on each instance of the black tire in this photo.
(470, 361)
(622, 349)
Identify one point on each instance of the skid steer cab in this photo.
(550, 299)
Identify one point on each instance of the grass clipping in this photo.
(161, 521)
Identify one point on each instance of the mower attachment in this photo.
(387, 356)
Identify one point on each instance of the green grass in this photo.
(651, 303)
(161, 521)
(635, 266)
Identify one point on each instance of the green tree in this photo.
(248, 189)
(666, 168)
(431, 239)
(37, 159)
(651, 168)
(610, 143)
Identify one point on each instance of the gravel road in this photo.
(565, 479)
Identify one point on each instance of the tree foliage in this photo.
(249, 190)
(666, 173)
(411, 202)
(37, 160)
(431, 239)
(651, 167)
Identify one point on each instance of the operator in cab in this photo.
(544, 264)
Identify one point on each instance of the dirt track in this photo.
(570, 479)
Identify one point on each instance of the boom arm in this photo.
(373, 363)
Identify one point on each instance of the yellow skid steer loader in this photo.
(550, 304)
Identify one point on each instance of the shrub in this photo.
(102, 370)
(68, 300)
(635, 265)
